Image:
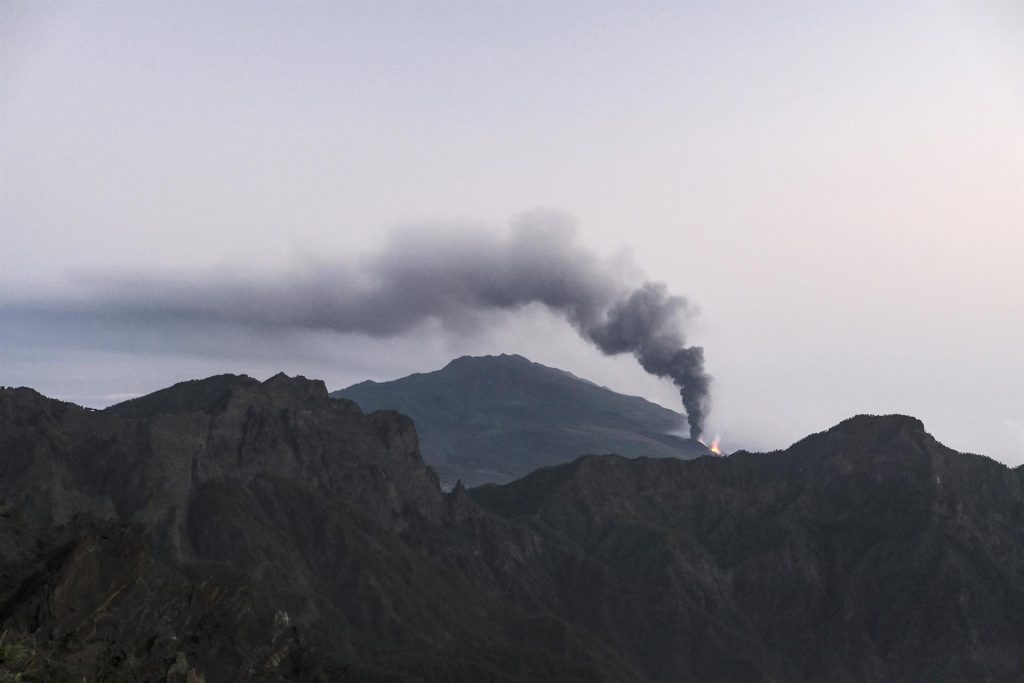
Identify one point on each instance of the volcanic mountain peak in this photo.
(494, 418)
(511, 359)
(510, 365)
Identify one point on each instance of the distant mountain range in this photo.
(492, 419)
(234, 530)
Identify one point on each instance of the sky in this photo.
(837, 190)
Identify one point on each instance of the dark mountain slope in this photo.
(248, 530)
(495, 418)
(867, 552)
(274, 491)
(88, 601)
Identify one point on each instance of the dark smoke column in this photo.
(648, 324)
(453, 278)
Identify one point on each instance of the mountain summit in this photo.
(496, 418)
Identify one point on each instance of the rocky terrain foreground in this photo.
(229, 529)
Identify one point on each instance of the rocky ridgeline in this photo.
(230, 529)
(145, 460)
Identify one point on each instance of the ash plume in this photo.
(454, 278)
(647, 324)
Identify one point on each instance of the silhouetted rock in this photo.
(866, 552)
(275, 491)
(230, 529)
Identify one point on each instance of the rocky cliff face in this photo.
(272, 492)
(230, 529)
(147, 460)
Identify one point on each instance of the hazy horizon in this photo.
(837, 191)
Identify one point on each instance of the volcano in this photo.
(492, 419)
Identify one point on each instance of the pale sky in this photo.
(839, 188)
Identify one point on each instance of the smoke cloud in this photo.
(454, 278)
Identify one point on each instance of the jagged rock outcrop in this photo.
(148, 459)
(309, 506)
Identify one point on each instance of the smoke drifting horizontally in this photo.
(454, 278)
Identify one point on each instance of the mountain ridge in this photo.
(263, 531)
(870, 527)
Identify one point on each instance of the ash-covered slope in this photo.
(869, 552)
(495, 418)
